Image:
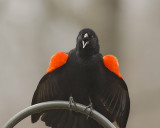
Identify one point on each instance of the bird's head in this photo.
(87, 42)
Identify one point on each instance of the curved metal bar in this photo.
(57, 105)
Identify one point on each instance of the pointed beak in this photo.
(84, 43)
(86, 35)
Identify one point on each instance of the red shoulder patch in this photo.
(111, 62)
(57, 60)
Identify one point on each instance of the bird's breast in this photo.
(81, 80)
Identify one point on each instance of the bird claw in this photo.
(90, 106)
(71, 103)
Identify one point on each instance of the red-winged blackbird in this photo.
(86, 75)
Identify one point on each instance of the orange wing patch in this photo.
(57, 60)
(111, 62)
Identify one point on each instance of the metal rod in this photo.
(57, 105)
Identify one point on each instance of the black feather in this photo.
(83, 76)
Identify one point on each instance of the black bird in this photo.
(87, 76)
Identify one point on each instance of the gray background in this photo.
(31, 31)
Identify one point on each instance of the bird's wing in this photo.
(57, 60)
(112, 92)
(48, 88)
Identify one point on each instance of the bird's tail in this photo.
(68, 119)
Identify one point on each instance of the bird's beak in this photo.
(84, 38)
(86, 35)
(85, 43)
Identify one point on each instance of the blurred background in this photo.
(31, 31)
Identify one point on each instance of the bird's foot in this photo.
(90, 106)
(72, 103)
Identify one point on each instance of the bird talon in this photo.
(90, 106)
(71, 103)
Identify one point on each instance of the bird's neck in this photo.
(89, 57)
(84, 54)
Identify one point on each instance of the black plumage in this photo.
(83, 76)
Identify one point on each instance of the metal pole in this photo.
(57, 105)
